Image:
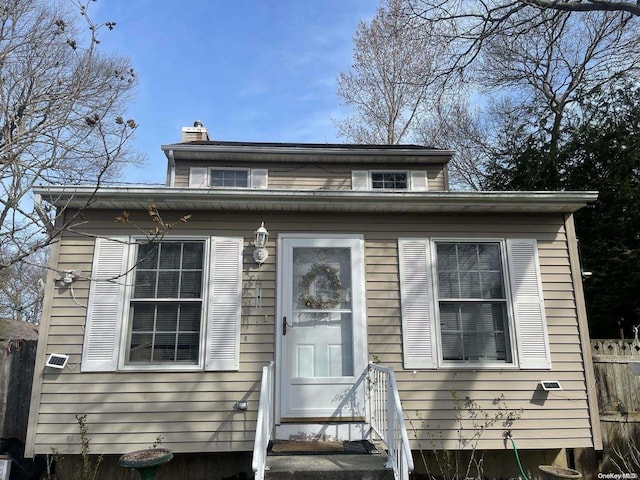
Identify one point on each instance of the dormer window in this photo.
(389, 180)
(229, 178)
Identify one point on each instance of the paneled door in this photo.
(322, 328)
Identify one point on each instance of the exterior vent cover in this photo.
(57, 360)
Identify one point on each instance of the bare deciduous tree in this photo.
(630, 6)
(61, 106)
(61, 115)
(387, 84)
(526, 64)
(22, 289)
(555, 64)
(468, 24)
(453, 124)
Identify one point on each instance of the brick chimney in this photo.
(197, 133)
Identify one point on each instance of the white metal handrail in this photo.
(387, 419)
(264, 426)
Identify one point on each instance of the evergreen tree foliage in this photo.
(604, 154)
(600, 151)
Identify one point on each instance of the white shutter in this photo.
(259, 178)
(198, 177)
(419, 181)
(528, 304)
(225, 303)
(417, 304)
(359, 180)
(104, 311)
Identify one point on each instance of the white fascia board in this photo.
(296, 200)
(299, 151)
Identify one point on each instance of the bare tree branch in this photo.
(528, 63)
(468, 24)
(388, 82)
(587, 6)
(62, 105)
(548, 69)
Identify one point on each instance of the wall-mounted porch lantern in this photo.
(260, 254)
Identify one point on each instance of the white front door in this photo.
(322, 328)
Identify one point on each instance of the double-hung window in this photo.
(167, 304)
(170, 304)
(472, 302)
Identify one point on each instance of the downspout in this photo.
(171, 169)
(42, 213)
(445, 177)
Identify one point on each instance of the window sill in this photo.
(161, 368)
(478, 366)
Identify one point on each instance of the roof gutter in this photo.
(307, 200)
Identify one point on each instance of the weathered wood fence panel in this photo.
(17, 362)
(618, 388)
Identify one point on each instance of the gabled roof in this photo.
(194, 199)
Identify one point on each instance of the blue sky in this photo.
(250, 70)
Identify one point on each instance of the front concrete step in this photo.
(328, 467)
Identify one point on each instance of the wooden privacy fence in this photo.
(17, 361)
(618, 389)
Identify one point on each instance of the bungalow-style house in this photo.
(320, 258)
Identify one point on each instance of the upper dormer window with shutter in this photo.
(226, 177)
(389, 180)
(229, 178)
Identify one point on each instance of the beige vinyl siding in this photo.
(314, 176)
(193, 411)
(426, 395)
